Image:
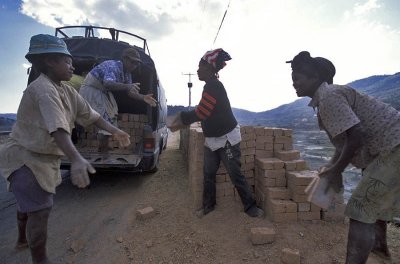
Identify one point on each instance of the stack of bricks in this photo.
(271, 166)
(130, 123)
(281, 180)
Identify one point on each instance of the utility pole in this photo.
(190, 85)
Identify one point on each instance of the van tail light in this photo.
(148, 140)
(148, 144)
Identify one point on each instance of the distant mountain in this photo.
(9, 115)
(297, 115)
(6, 122)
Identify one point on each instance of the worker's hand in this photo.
(174, 123)
(133, 89)
(148, 98)
(335, 179)
(122, 137)
(79, 172)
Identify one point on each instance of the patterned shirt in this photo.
(341, 107)
(111, 70)
(45, 107)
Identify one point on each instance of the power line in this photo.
(222, 22)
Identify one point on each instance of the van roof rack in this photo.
(89, 32)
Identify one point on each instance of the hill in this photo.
(6, 121)
(295, 115)
(298, 115)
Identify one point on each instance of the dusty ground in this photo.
(99, 225)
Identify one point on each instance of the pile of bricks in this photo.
(130, 123)
(274, 170)
(271, 166)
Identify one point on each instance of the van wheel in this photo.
(156, 166)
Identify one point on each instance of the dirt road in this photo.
(99, 225)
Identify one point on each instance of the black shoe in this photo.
(203, 211)
(254, 211)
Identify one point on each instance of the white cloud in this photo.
(259, 35)
(361, 9)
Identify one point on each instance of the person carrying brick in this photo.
(222, 134)
(113, 75)
(30, 158)
(366, 133)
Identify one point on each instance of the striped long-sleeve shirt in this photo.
(214, 111)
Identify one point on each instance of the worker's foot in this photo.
(21, 245)
(203, 211)
(254, 211)
(380, 247)
(383, 253)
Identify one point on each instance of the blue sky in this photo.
(361, 37)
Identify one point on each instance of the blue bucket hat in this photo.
(43, 43)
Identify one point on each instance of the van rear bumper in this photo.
(118, 161)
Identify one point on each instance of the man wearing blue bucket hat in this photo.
(30, 158)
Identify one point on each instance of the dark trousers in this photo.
(230, 157)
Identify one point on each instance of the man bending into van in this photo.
(109, 76)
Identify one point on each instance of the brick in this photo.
(248, 174)
(264, 153)
(277, 131)
(279, 193)
(262, 235)
(283, 140)
(290, 165)
(290, 256)
(273, 173)
(249, 129)
(299, 198)
(297, 189)
(268, 182)
(287, 132)
(287, 155)
(288, 146)
(315, 208)
(269, 163)
(260, 131)
(278, 147)
(301, 165)
(269, 146)
(251, 143)
(282, 206)
(250, 136)
(307, 216)
(268, 131)
(304, 207)
(281, 182)
(220, 178)
(303, 178)
(145, 213)
(248, 151)
(260, 140)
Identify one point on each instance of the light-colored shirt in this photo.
(341, 107)
(45, 107)
(214, 143)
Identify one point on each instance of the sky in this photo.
(361, 37)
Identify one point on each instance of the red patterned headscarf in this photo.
(216, 58)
